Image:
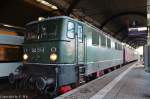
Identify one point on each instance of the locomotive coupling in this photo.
(41, 83)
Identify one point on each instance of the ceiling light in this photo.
(148, 16)
(138, 29)
(44, 2)
(47, 4)
(54, 7)
(6, 25)
(39, 0)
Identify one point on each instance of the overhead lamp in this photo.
(6, 25)
(47, 4)
(148, 16)
(54, 7)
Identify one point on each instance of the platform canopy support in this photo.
(147, 47)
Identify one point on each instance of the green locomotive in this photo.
(60, 51)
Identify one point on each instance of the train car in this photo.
(10, 50)
(61, 52)
(130, 54)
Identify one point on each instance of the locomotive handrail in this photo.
(76, 49)
(85, 49)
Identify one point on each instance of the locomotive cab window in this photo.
(70, 30)
(41, 30)
(80, 32)
(47, 29)
(32, 30)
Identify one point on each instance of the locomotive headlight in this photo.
(25, 56)
(53, 57)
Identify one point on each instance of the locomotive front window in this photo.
(10, 53)
(47, 29)
(32, 31)
(42, 30)
(70, 30)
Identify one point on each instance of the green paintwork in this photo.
(65, 47)
(95, 57)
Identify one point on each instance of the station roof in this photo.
(112, 16)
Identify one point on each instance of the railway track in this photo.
(9, 92)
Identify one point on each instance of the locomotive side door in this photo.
(80, 44)
(80, 48)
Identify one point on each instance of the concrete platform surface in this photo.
(134, 85)
(128, 82)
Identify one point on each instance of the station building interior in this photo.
(74, 49)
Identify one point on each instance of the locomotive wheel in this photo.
(11, 78)
(49, 92)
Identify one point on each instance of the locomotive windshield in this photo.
(42, 30)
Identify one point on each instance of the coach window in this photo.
(80, 32)
(70, 30)
(108, 43)
(103, 40)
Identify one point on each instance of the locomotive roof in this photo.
(56, 17)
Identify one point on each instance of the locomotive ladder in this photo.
(81, 74)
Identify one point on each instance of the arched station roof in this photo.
(113, 16)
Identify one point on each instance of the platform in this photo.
(128, 82)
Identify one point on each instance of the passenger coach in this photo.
(11, 41)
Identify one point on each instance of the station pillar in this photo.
(147, 47)
(148, 22)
